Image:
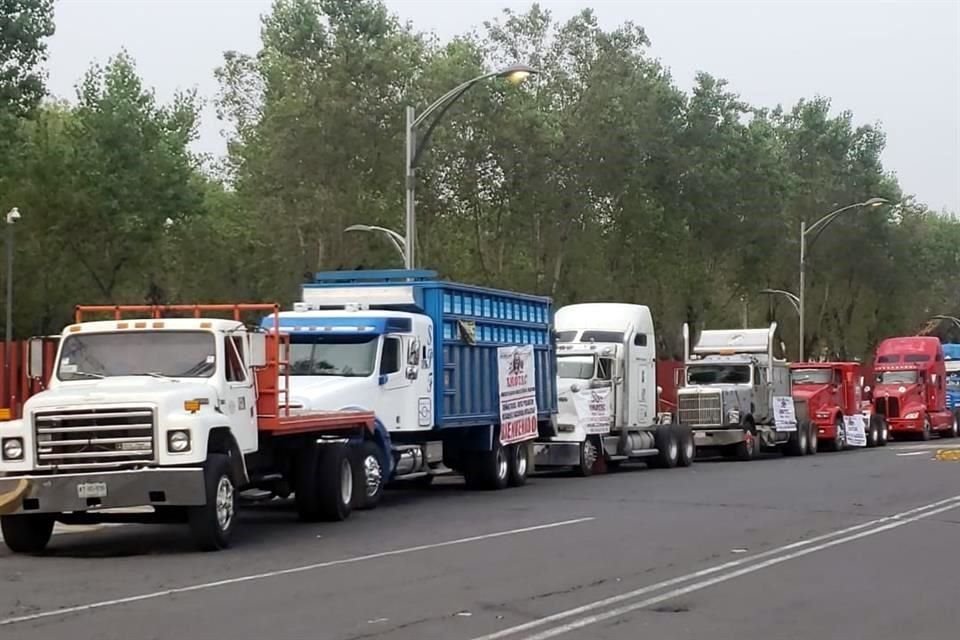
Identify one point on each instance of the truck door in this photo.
(640, 385)
(241, 400)
(762, 391)
(398, 406)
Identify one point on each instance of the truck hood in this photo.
(808, 392)
(896, 390)
(330, 393)
(120, 390)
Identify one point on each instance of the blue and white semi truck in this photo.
(458, 376)
(951, 358)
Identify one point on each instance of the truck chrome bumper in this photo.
(717, 437)
(556, 454)
(102, 490)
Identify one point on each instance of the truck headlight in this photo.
(178, 441)
(733, 416)
(12, 449)
(913, 415)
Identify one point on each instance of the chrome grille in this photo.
(114, 437)
(700, 409)
(888, 407)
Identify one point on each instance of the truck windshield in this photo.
(718, 374)
(334, 356)
(908, 376)
(579, 367)
(811, 376)
(176, 354)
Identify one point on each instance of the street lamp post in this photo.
(12, 216)
(397, 240)
(792, 297)
(515, 73)
(819, 226)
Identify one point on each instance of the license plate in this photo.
(92, 490)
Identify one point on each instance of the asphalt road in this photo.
(858, 544)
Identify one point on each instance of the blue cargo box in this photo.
(470, 322)
(951, 353)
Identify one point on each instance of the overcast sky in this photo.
(895, 63)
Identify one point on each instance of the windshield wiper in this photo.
(88, 374)
(154, 374)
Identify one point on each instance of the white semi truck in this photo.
(736, 395)
(608, 393)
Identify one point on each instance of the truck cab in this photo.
(910, 388)
(607, 388)
(833, 393)
(732, 381)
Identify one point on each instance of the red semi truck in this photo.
(910, 388)
(833, 393)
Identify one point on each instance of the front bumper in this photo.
(826, 431)
(902, 425)
(102, 490)
(717, 436)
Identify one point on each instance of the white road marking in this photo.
(913, 453)
(881, 524)
(930, 446)
(284, 572)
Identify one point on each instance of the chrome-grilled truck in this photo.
(736, 395)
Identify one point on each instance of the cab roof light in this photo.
(75, 328)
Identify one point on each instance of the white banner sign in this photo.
(518, 394)
(784, 417)
(856, 430)
(593, 409)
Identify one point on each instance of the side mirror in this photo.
(35, 359)
(412, 373)
(382, 380)
(413, 353)
(933, 378)
(659, 390)
(257, 350)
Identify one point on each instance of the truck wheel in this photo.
(839, 437)
(873, 434)
(519, 464)
(588, 458)
(370, 480)
(212, 524)
(925, 434)
(799, 442)
(812, 442)
(688, 449)
(27, 533)
(747, 449)
(668, 447)
(884, 431)
(953, 430)
(488, 470)
(324, 483)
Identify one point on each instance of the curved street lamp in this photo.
(395, 238)
(515, 74)
(12, 217)
(818, 228)
(792, 297)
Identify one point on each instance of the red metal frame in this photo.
(273, 416)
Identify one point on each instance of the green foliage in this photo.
(597, 179)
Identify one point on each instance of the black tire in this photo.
(688, 449)
(873, 434)
(488, 470)
(954, 429)
(325, 487)
(27, 533)
(839, 441)
(799, 442)
(746, 450)
(370, 479)
(927, 429)
(212, 524)
(588, 458)
(667, 442)
(812, 443)
(519, 464)
(884, 430)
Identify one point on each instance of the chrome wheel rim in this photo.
(589, 454)
(502, 467)
(688, 448)
(346, 482)
(373, 474)
(521, 461)
(225, 503)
